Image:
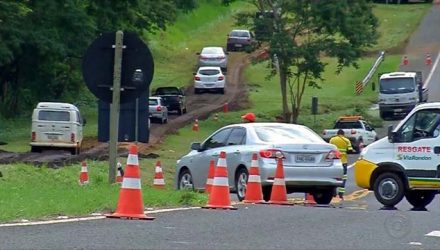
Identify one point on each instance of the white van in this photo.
(407, 162)
(57, 125)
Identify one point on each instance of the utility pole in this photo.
(114, 106)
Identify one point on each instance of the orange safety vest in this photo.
(343, 144)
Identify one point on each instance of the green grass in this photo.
(29, 192)
(397, 22)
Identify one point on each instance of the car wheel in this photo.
(389, 189)
(196, 91)
(184, 110)
(180, 111)
(185, 180)
(222, 91)
(267, 191)
(241, 178)
(420, 198)
(74, 151)
(35, 149)
(324, 197)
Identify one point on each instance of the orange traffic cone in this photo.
(195, 126)
(120, 173)
(210, 178)
(219, 196)
(225, 107)
(254, 192)
(130, 203)
(84, 175)
(279, 192)
(309, 200)
(405, 60)
(428, 60)
(158, 181)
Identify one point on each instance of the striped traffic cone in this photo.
(279, 193)
(210, 178)
(309, 200)
(158, 181)
(254, 192)
(120, 174)
(219, 196)
(83, 175)
(130, 203)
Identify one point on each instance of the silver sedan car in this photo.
(310, 164)
(213, 56)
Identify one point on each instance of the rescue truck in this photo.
(406, 163)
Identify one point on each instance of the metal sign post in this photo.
(114, 107)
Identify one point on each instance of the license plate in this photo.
(52, 137)
(304, 158)
(238, 45)
(208, 84)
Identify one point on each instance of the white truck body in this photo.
(56, 125)
(400, 92)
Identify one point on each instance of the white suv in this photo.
(209, 78)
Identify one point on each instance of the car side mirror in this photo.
(84, 122)
(194, 73)
(227, 53)
(196, 146)
(391, 134)
(198, 53)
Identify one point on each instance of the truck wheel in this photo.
(323, 197)
(180, 111)
(383, 115)
(420, 198)
(389, 189)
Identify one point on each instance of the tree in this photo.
(300, 33)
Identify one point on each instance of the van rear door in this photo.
(53, 126)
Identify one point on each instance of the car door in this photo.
(210, 150)
(235, 151)
(370, 134)
(417, 146)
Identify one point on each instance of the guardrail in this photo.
(360, 85)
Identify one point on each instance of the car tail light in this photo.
(197, 78)
(203, 57)
(271, 153)
(353, 131)
(72, 137)
(333, 155)
(221, 57)
(34, 136)
(159, 108)
(220, 78)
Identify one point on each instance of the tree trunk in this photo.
(283, 85)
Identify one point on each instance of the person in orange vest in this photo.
(344, 146)
(248, 117)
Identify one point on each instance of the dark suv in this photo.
(174, 98)
(240, 40)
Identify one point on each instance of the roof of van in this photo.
(56, 105)
(398, 74)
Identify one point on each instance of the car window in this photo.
(348, 124)
(46, 115)
(167, 91)
(209, 72)
(153, 102)
(423, 124)
(212, 51)
(237, 33)
(282, 134)
(368, 126)
(218, 139)
(237, 137)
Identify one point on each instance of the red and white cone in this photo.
(159, 181)
(254, 192)
(84, 175)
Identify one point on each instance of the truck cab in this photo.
(56, 125)
(406, 163)
(400, 92)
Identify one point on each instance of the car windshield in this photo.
(167, 91)
(152, 102)
(397, 85)
(237, 33)
(46, 115)
(213, 51)
(209, 72)
(281, 134)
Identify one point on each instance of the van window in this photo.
(46, 115)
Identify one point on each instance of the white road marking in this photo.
(25, 223)
(434, 233)
(434, 66)
(415, 243)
